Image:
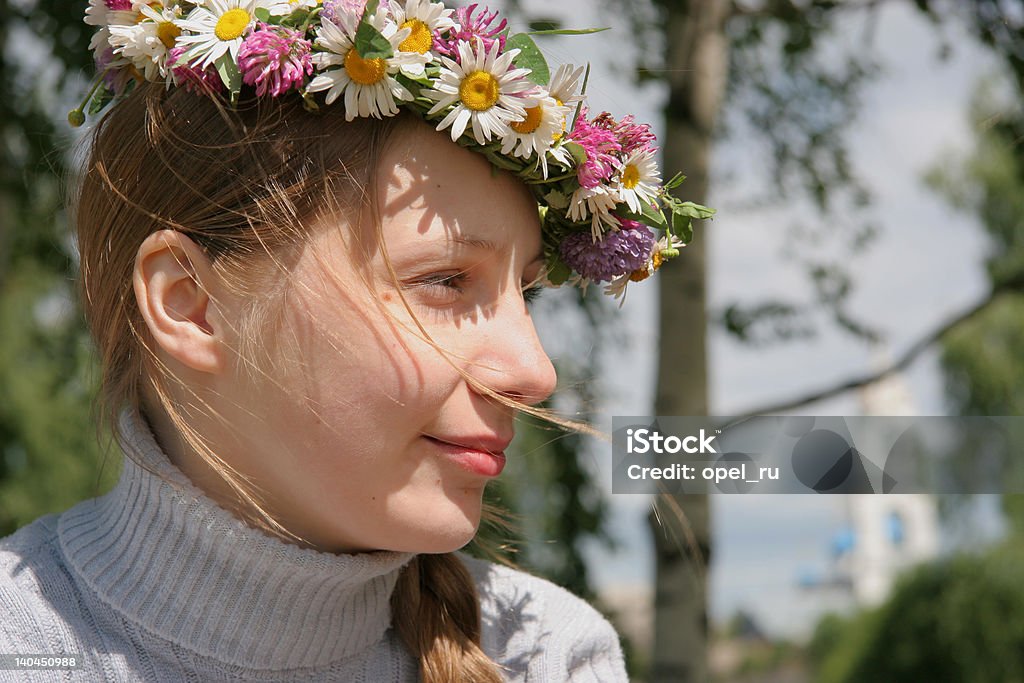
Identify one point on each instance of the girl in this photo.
(314, 333)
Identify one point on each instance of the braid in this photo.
(441, 625)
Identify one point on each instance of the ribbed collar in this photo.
(167, 557)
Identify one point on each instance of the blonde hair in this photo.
(160, 159)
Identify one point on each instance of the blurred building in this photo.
(884, 535)
(890, 533)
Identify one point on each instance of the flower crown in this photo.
(595, 180)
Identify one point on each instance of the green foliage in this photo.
(793, 90)
(571, 509)
(983, 359)
(960, 621)
(49, 457)
(837, 642)
(230, 76)
(565, 31)
(371, 43)
(987, 182)
(529, 57)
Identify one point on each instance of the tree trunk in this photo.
(697, 67)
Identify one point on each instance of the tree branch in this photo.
(781, 9)
(1015, 284)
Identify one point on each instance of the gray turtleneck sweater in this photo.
(156, 582)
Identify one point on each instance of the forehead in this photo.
(430, 187)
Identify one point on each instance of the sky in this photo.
(925, 265)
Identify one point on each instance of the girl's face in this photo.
(365, 436)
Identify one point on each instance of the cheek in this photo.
(350, 368)
(369, 379)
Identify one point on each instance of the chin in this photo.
(447, 529)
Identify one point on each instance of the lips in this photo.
(488, 444)
(483, 456)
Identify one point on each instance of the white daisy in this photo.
(561, 155)
(486, 92)
(217, 27)
(617, 287)
(97, 14)
(639, 180)
(286, 7)
(596, 202)
(369, 84)
(423, 18)
(537, 132)
(564, 84)
(148, 42)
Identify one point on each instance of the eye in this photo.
(531, 294)
(442, 285)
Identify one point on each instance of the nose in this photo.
(511, 360)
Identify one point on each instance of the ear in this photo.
(173, 278)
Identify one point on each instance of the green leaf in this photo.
(682, 227)
(579, 154)
(101, 99)
(308, 103)
(545, 24)
(568, 31)
(370, 43)
(230, 76)
(687, 208)
(558, 272)
(413, 83)
(504, 162)
(296, 20)
(529, 57)
(583, 92)
(653, 216)
(692, 210)
(263, 14)
(649, 215)
(675, 182)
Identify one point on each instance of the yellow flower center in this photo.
(364, 71)
(639, 275)
(558, 136)
(630, 177)
(156, 6)
(479, 91)
(232, 24)
(419, 40)
(531, 122)
(167, 32)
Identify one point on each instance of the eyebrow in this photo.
(488, 245)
